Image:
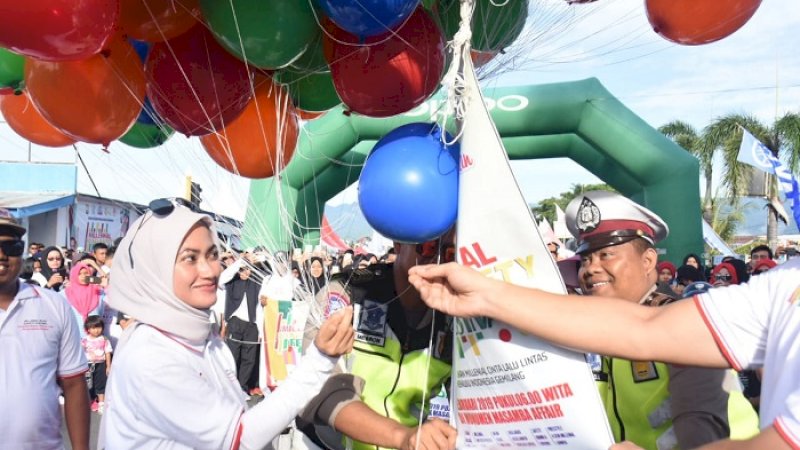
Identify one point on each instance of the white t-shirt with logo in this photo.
(168, 394)
(758, 325)
(39, 343)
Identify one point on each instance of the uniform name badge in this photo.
(643, 371)
(371, 327)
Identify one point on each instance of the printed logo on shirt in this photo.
(371, 326)
(35, 325)
(336, 302)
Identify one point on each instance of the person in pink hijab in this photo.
(81, 294)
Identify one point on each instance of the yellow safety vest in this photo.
(636, 398)
(394, 367)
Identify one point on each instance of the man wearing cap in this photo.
(39, 350)
(654, 405)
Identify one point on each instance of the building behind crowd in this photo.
(45, 198)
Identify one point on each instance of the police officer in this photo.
(654, 405)
(378, 404)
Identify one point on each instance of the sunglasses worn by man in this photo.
(434, 248)
(13, 248)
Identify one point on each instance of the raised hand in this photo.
(434, 434)
(453, 289)
(335, 336)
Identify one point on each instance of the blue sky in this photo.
(756, 70)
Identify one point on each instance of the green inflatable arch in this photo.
(578, 120)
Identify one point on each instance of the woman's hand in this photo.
(55, 279)
(335, 336)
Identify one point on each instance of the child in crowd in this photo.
(98, 352)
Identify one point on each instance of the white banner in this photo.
(511, 389)
(96, 221)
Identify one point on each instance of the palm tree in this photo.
(782, 138)
(695, 143)
(725, 224)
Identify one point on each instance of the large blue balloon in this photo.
(366, 18)
(408, 190)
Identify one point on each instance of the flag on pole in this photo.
(511, 389)
(756, 154)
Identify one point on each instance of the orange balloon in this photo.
(696, 22)
(95, 100)
(26, 121)
(261, 141)
(158, 20)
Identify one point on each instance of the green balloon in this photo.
(272, 33)
(311, 91)
(143, 135)
(12, 70)
(313, 59)
(429, 4)
(493, 27)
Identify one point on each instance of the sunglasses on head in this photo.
(12, 248)
(161, 207)
(165, 206)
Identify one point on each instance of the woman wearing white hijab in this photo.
(174, 381)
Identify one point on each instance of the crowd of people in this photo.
(174, 362)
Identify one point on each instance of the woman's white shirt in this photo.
(166, 393)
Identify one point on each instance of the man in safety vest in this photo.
(395, 367)
(655, 405)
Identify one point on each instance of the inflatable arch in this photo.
(579, 120)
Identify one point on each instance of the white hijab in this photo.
(144, 290)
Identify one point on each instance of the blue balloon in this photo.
(142, 48)
(408, 190)
(149, 116)
(366, 18)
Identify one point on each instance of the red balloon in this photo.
(95, 100)
(389, 74)
(26, 121)
(57, 30)
(268, 128)
(194, 84)
(158, 20)
(696, 22)
(6, 91)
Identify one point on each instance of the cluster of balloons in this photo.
(242, 72)
(408, 188)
